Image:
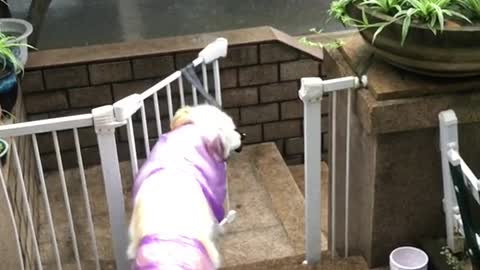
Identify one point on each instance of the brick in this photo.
(259, 114)
(185, 58)
(46, 102)
(90, 157)
(294, 160)
(325, 105)
(291, 109)
(260, 74)
(90, 96)
(68, 112)
(163, 104)
(299, 69)
(138, 129)
(110, 72)
(234, 113)
(280, 146)
(66, 77)
(121, 90)
(282, 129)
(87, 138)
(40, 116)
(253, 133)
(279, 92)
(294, 146)
(277, 52)
(325, 142)
(239, 97)
(156, 66)
(32, 81)
(240, 56)
(325, 124)
(228, 78)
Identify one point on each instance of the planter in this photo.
(455, 52)
(3, 151)
(8, 89)
(20, 29)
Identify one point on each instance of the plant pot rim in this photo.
(28, 26)
(384, 17)
(5, 149)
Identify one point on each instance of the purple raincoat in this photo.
(186, 149)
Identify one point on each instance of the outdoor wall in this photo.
(260, 80)
(8, 247)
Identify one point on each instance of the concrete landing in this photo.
(269, 224)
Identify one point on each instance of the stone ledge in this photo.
(388, 82)
(397, 115)
(398, 100)
(126, 50)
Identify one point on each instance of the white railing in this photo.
(105, 120)
(311, 93)
(451, 161)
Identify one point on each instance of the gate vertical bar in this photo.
(347, 169)
(333, 172)
(313, 159)
(46, 201)
(313, 182)
(3, 183)
(103, 118)
(448, 140)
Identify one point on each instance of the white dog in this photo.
(180, 190)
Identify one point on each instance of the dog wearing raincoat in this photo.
(179, 192)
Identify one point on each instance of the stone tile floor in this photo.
(269, 204)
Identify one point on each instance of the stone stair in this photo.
(268, 231)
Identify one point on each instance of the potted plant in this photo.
(452, 261)
(3, 151)
(11, 64)
(18, 31)
(433, 37)
(4, 116)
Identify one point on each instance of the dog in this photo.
(179, 192)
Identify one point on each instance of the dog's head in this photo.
(223, 137)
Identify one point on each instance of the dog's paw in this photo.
(131, 251)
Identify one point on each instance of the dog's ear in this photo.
(182, 117)
(216, 148)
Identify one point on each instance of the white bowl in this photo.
(408, 258)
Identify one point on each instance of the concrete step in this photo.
(298, 173)
(270, 207)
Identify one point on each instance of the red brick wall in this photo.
(260, 83)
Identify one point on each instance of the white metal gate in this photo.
(311, 93)
(105, 120)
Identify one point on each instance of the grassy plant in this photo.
(2, 147)
(7, 57)
(330, 45)
(431, 13)
(471, 7)
(453, 261)
(6, 114)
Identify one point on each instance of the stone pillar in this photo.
(396, 177)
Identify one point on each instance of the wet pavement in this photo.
(71, 23)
